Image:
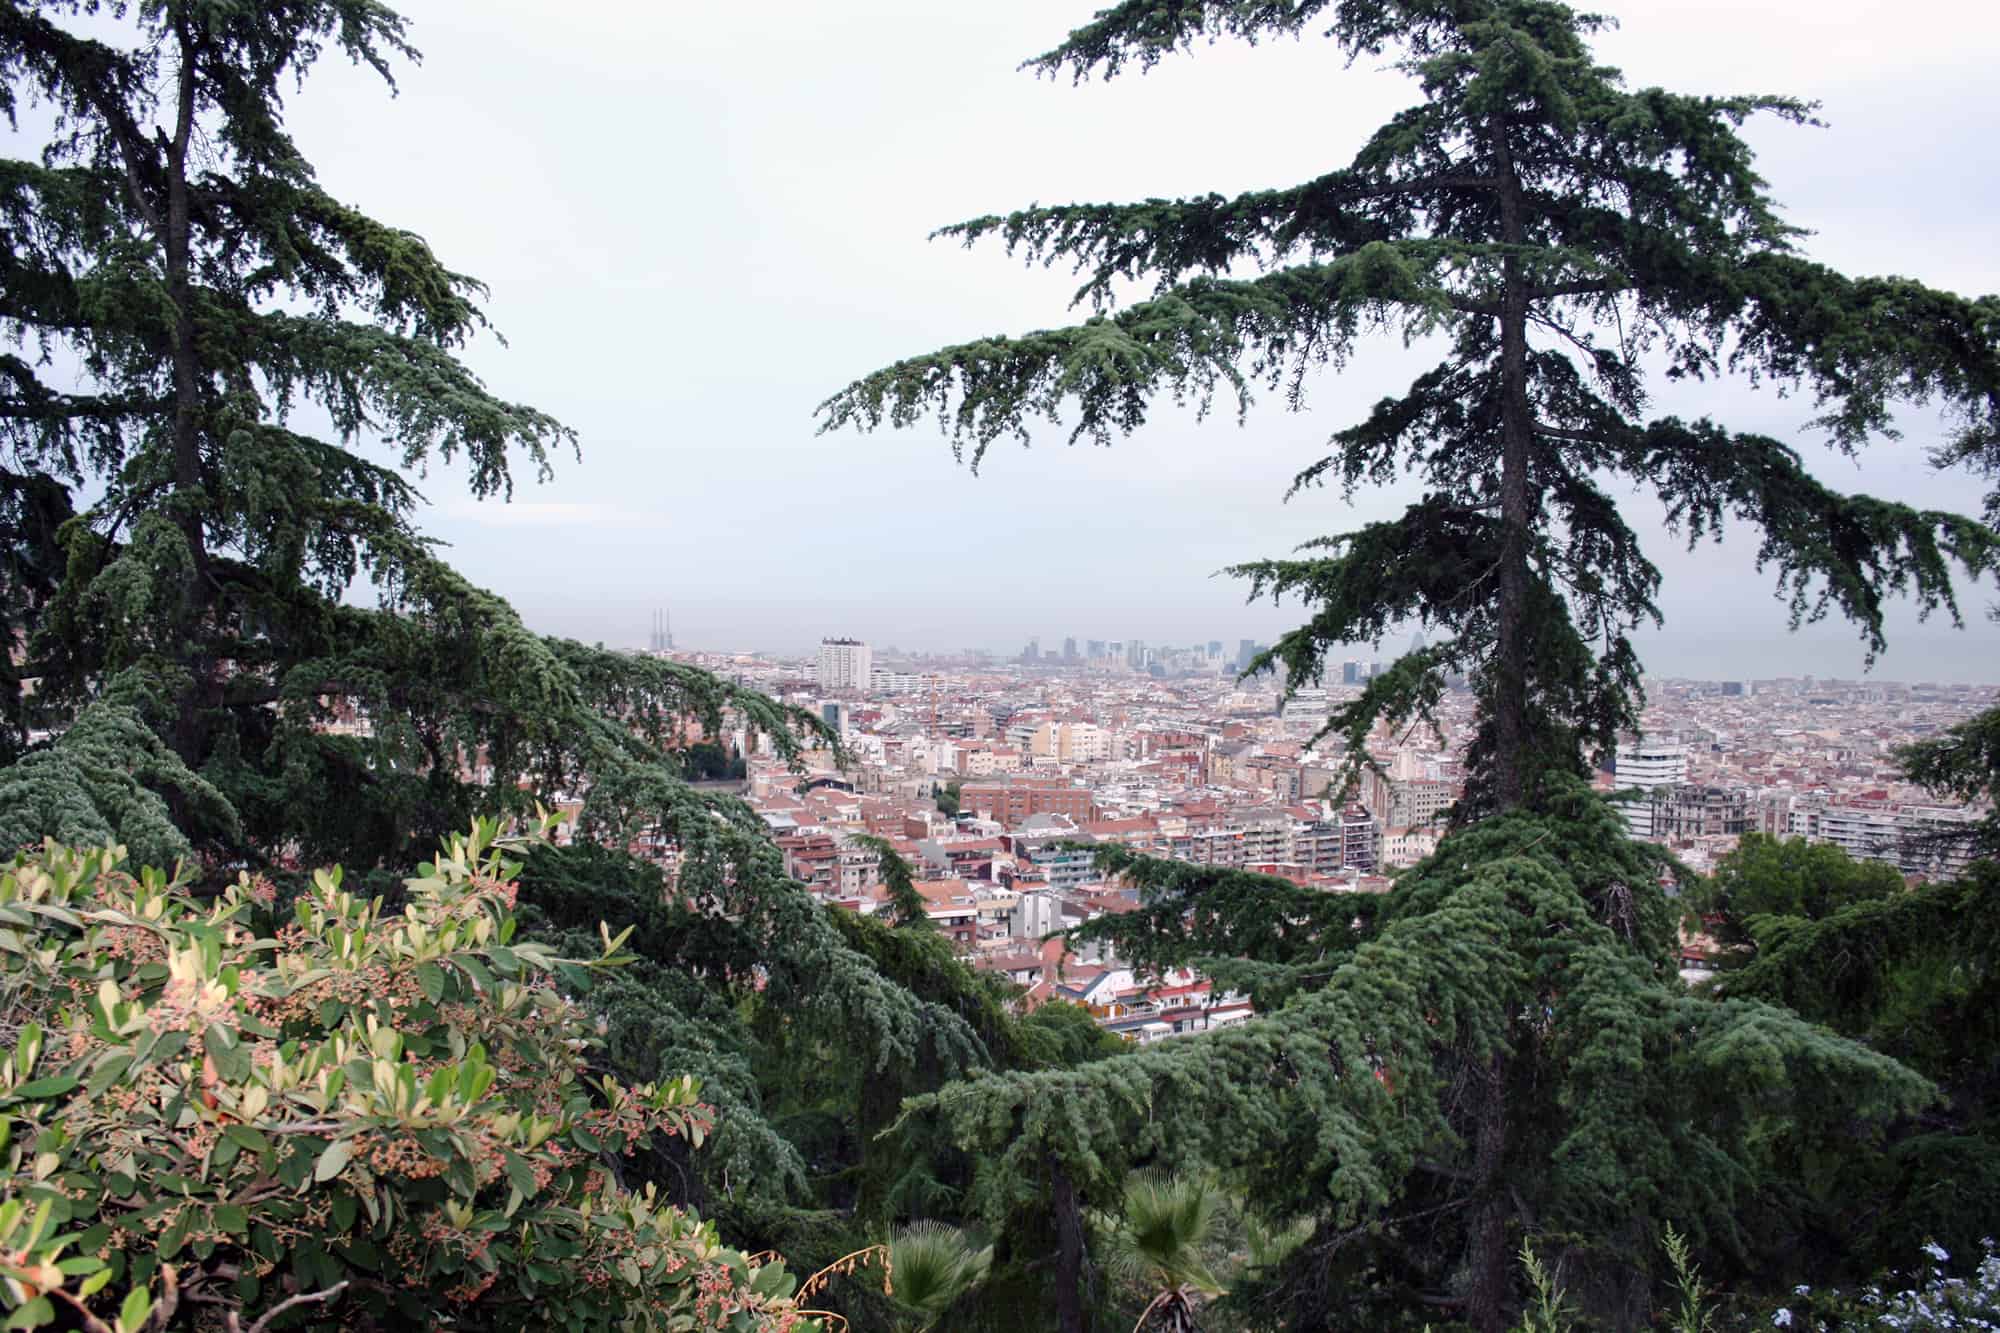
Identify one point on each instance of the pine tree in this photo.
(225, 375)
(1502, 1049)
(1562, 236)
(1963, 764)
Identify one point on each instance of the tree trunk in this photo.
(1071, 1260)
(189, 727)
(1511, 743)
(1486, 1293)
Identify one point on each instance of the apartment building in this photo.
(845, 664)
(1011, 801)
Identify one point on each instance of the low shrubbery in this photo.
(334, 1117)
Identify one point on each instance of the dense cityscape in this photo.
(995, 777)
(389, 941)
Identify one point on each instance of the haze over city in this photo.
(685, 295)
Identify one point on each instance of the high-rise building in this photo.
(1246, 649)
(1350, 672)
(1135, 654)
(1094, 649)
(1069, 649)
(1215, 648)
(663, 633)
(1648, 764)
(845, 664)
(1033, 652)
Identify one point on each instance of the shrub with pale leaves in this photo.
(1933, 1300)
(342, 1119)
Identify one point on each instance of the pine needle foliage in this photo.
(101, 782)
(1562, 237)
(1508, 1048)
(223, 378)
(1256, 933)
(1963, 764)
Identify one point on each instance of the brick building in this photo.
(1011, 801)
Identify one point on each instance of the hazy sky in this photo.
(698, 220)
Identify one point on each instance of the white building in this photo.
(1647, 764)
(845, 664)
(889, 682)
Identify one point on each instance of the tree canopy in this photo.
(506, 1090)
(1501, 1049)
(1563, 239)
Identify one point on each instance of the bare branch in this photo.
(235, 1325)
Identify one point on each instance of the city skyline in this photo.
(689, 346)
(1807, 654)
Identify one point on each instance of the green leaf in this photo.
(33, 1315)
(232, 1062)
(247, 1138)
(431, 979)
(132, 1313)
(42, 1089)
(333, 1160)
(344, 1210)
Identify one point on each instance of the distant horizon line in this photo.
(1001, 657)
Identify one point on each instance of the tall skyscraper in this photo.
(1069, 649)
(1033, 652)
(1245, 650)
(663, 633)
(1215, 648)
(1135, 654)
(845, 664)
(1350, 672)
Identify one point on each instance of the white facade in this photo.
(845, 664)
(892, 682)
(1647, 764)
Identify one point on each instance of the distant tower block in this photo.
(663, 633)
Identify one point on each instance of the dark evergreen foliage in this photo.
(1559, 234)
(1503, 1048)
(1916, 975)
(1964, 764)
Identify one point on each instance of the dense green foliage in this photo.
(1916, 975)
(1505, 1046)
(1500, 1049)
(372, 1120)
(220, 1104)
(1790, 877)
(1558, 234)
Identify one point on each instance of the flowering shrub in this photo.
(1934, 1300)
(344, 1118)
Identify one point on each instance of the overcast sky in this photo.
(699, 220)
